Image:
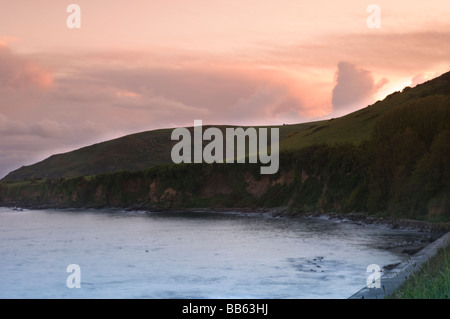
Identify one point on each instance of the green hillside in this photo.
(358, 126)
(143, 150)
(133, 152)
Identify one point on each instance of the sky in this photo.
(139, 65)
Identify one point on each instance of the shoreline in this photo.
(360, 218)
(357, 218)
(433, 230)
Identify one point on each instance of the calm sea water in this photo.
(188, 255)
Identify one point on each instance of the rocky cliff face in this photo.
(215, 188)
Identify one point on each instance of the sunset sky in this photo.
(147, 64)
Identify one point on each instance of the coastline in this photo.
(359, 218)
(433, 230)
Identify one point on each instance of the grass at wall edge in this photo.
(431, 281)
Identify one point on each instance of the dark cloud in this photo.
(354, 86)
(17, 72)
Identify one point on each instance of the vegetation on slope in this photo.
(410, 158)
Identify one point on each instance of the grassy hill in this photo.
(143, 150)
(358, 126)
(133, 152)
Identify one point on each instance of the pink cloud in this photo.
(17, 72)
(393, 52)
(417, 79)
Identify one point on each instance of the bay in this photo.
(166, 255)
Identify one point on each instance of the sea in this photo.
(113, 253)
